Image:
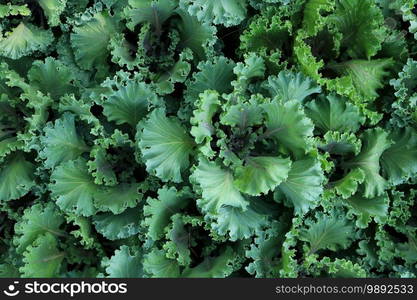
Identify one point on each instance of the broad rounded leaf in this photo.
(237, 223)
(121, 226)
(158, 265)
(217, 187)
(288, 125)
(99, 29)
(327, 232)
(155, 12)
(117, 198)
(348, 185)
(214, 75)
(158, 212)
(367, 75)
(261, 174)
(213, 267)
(361, 23)
(61, 142)
(289, 86)
(225, 12)
(399, 162)
(375, 142)
(16, 177)
(53, 77)
(73, 187)
(36, 221)
(42, 259)
(125, 263)
(366, 208)
(24, 40)
(196, 36)
(333, 113)
(53, 10)
(129, 104)
(303, 186)
(165, 146)
(203, 130)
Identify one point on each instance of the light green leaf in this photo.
(327, 232)
(165, 146)
(42, 259)
(367, 75)
(14, 10)
(244, 114)
(61, 142)
(53, 10)
(217, 187)
(289, 86)
(198, 37)
(99, 29)
(375, 142)
(213, 267)
(236, 223)
(361, 23)
(252, 69)
(80, 108)
(52, 77)
(265, 252)
(158, 212)
(36, 221)
(155, 12)
(125, 263)
(165, 81)
(404, 107)
(408, 251)
(118, 198)
(341, 143)
(73, 187)
(261, 174)
(202, 128)
(129, 103)
(303, 186)
(268, 34)
(313, 14)
(23, 40)
(399, 162)
(348, 185)
(224, 12)
(121, 226)
(288, 125)
(16, 177)
(366, 208)
(179, 241)
(82, 230)
(100, 168)
(337, 268)
(158, 265)
(334, 113)
(214, 75)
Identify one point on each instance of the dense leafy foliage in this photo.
(216, 138)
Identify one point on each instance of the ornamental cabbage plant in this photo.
(216, 138)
